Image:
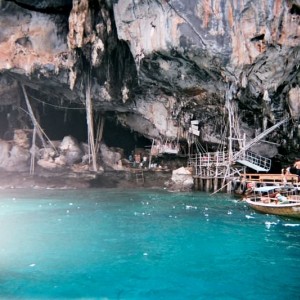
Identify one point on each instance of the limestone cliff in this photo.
(157, 64)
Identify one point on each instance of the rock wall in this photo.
(159, 64)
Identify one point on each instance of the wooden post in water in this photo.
(207, 187)
(196, 183)
(216, 171)
(201, 184)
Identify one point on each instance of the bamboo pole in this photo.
(36, 130)
(99, 133)
(90, 123)
(32, 162)
(33, 119)
(150, 157)
(223, 186)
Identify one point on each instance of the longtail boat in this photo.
(266, 200)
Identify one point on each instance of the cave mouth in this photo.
(60, 123)
(116, 135)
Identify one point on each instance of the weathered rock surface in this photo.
(181, 180)
(157, 65)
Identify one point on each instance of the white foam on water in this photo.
(291, 225)
(269, 224)
(249, 217)
(191, 207)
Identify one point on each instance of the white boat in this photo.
(266, 200)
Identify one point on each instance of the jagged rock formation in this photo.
(154, 65)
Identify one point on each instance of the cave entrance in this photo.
(116, 135)
(60, 123)
(55, 121)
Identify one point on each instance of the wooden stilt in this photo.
(201, 184)
(215, 183)
(207, 185)
(196, 183)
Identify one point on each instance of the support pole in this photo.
(33, 119)
(150, 157)
(32, 161)
(99, 133)
(90, 123)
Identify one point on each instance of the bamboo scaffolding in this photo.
(90, 123)
(40, 131)
(33, 118)
(36, 130)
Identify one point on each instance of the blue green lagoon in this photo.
(143, 244)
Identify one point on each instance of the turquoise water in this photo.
(143, 244)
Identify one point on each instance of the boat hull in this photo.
(291, 210)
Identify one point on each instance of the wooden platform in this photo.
(213, 184)
(292, 178)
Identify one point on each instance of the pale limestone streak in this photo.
(204, 11)
(146, 29)
(294, 102)
(244, 28)
(271, 21)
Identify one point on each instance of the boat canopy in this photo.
(267, 188)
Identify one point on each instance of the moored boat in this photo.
(274, 200)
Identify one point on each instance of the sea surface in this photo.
(143, 244)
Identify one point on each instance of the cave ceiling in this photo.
(158, 64)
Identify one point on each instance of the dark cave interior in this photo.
(58, 123)
(116, 135)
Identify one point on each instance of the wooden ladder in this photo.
(139, 176)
